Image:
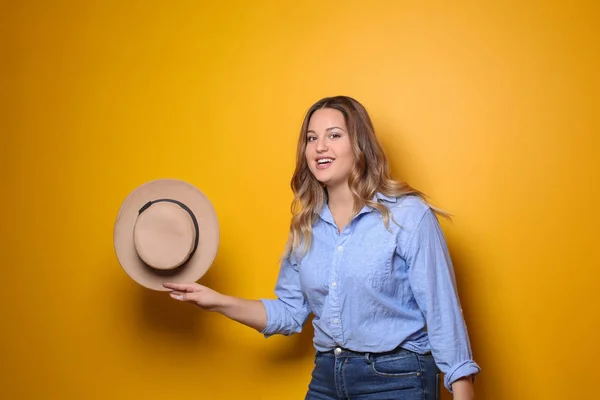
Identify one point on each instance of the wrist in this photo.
(222, 303)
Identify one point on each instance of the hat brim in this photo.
(208, 227)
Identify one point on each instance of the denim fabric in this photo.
(373, 289)
(395, 375)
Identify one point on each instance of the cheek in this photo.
(345, 162)
(347, 165)
(307, 154)
(348, 155)
(348, 161)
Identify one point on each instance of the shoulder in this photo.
(415, 223)
(408, 211)
(412, 217)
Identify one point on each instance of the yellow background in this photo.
(490, 108)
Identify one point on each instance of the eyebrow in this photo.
(328, 129)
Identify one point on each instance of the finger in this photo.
(184, 296)
(179, 296)
(181, 287)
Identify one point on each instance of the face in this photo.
(328, 148)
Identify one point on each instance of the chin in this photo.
(326, 178)
(329, 182)
(321, 181)
(321, 177)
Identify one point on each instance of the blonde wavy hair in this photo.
(370, 174)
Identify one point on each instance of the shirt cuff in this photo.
(458, 371)
(271, 327)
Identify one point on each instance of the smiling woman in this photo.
(387, 316)
(328, 141)
(339, 129)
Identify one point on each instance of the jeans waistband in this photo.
(343, 352)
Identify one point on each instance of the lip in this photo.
(324, 166)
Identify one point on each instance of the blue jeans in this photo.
(396, 375)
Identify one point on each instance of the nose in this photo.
(321, 145)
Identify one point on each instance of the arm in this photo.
(251, 313)
(432, 279)
(463, 389)
(286, 314)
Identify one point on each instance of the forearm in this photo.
(463, 389)
(251, 313)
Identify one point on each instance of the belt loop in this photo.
(368, 358)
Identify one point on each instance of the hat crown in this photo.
(164, 235)
(166, 230)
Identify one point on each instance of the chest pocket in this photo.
(370, 263)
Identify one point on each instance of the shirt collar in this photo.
(382, 197)
(326, 215)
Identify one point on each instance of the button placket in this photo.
(335, 316)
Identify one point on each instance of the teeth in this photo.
(324, 160)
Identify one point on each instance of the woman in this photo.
(367, 257)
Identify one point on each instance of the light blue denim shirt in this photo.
(372, 289)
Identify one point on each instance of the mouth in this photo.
(324, 162)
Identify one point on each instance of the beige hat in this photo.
(166, 231)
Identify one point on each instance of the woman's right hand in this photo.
(200, 295)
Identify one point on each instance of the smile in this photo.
(323, 163)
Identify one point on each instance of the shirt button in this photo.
(333, 284)
(340, 248)
(335, 321)
(337, 351)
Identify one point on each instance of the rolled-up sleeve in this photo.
(432, 279)
(288, 313)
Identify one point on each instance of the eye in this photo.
(311, 138)
(334, 135)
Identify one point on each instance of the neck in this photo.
(340, 196)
